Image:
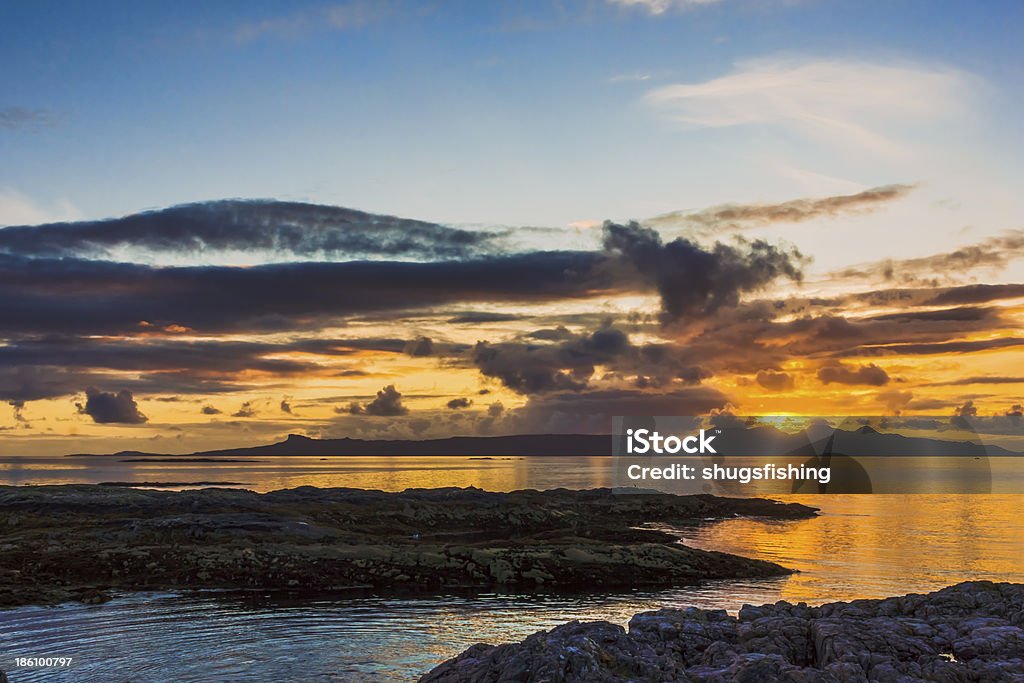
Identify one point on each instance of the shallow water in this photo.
(861, 546)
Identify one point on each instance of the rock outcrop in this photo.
(77, 542)
(972, 632)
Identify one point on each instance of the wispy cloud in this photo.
(839, 101)
(17, 209)
(338, 17)
(662, 6)
(993, 253)
(22, 118)
(628, 78)
(741, 216)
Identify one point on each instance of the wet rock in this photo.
(80, 542)
(971, 632)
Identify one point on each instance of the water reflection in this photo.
(880, 545)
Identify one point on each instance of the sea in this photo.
(860, 546)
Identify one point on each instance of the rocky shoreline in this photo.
(80, 542)
(968, 632)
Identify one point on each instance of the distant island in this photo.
(761, 440)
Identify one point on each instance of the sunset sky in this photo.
(385, 219)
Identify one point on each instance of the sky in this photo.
(227, 222)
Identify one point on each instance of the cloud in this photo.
(210, 410)
(570, 362)
(73, 295)
(277, 230)
(387, 404)
(592, 411)
(986, 379)
(286, 407)
(733, 217)
(17, 209)
(246, 410)
(969, 294)
(658, 7)
(968, 409)
(895, 400)
(992, 253)
(221, 357)
(619, 78)
(847, 102)
(460, 402)
(536, 368)
(93, 296)
(337, 17)
(21, 118)
(110, 408)
(475, 317)
(694, 281)
(419, 347)
(775, 381)
(940, 347)
(870, 374)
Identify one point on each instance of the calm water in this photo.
(861, 546)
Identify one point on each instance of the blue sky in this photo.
(880, 139)
(507, 113)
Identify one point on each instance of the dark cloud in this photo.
(495, 409)
(460, 402)
(19, 411)
(483, 317)
(559, 333)
(388, 403)
(962, 415)
(693, 281)
(972, 294)
(286, 406)
(284, 228)
(964, 313)
(986, 379)
(110, 408)
(939, 347)
(592, 411)
(21, 118)
(20, 384)
(95, 297)
(246, 410)
(968, 409)
(869, 374)
(927, 404)
(534, 368)
(147, 355)
(1016, 410)
(210, 410)
(33, 383)
(994, 252)
(742, 216)
(421, 346)
(74, 296)
(774, 380)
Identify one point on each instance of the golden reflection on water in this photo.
(878, 545)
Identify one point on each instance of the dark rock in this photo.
(60, 543)
(971, 632)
